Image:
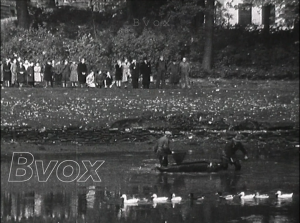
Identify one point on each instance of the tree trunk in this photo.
(209, 32)
(22, 14)
(198, 20)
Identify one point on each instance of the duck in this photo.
(175, 199)
(261, 196)
(199, 198)
(280, 195)
(225, 195)
(130, 201)
(159, 199)
(248, 196)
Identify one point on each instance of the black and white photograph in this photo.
(149, 111)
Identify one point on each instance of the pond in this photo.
(134, 174)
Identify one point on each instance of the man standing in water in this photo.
(162, 149)
(228, 153)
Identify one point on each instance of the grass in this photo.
(271, 101)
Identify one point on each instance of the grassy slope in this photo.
(270, 101)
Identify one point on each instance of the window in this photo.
(245, 11)
(268, 14)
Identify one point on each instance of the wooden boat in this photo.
(198, 166)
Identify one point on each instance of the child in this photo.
(108, 81)
(99, 79)
(90, 79)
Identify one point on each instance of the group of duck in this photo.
(226, 196)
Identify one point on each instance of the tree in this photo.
(209, 33)
(22, 14)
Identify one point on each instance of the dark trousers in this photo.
(225, 161)
(163, 160)
(160, 78)
(135, 82)
(146, 86)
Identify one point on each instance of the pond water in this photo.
(133, 174)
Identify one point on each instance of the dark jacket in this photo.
(231, 148)
(48, 72)
(66, 71)
(30, 77)
(161, 66)
(146, 72)
(82, 68)
(135, 71)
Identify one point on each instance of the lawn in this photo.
(209, 99)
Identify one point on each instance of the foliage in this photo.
(32, 44)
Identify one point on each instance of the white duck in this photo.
(261, 196)
(280, 195)
(175, 199)
(248, 196)
(129, 201)
(225, 195)
(159, 199)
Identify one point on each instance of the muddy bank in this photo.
(149, 128)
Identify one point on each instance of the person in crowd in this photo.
(173, 69)
(146, 73)
(161, 68)
(108, 81)
(135, 73)
(185, 70)
(126, 71)
(118, 73)
(1, 72)
(48, 74)
(65, 73)
(74, 74)
(14, 72)
(90, 79)
(7, 72)
(21, 74)
(19, 60)
(162, 150)
(30, 74)
(26, 66)
(37, 74)
(99, 79)
(82, 72)
(228, 153)
(56, 72)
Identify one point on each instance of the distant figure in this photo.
(162, 149)
(74, 74)
(108, 81)
(99, 79)
(37, 73)
(161, 68)
(126, 71)
(82, 72)
(174, 73)
(185, 70)
(145, 70)
(90, 79)
(7, 72)
(65, 73)
(228, 153)
(48, 74)
(118, 73)
(135, 73)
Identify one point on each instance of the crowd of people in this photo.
(16, 72)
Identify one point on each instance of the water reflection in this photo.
(57, 202)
